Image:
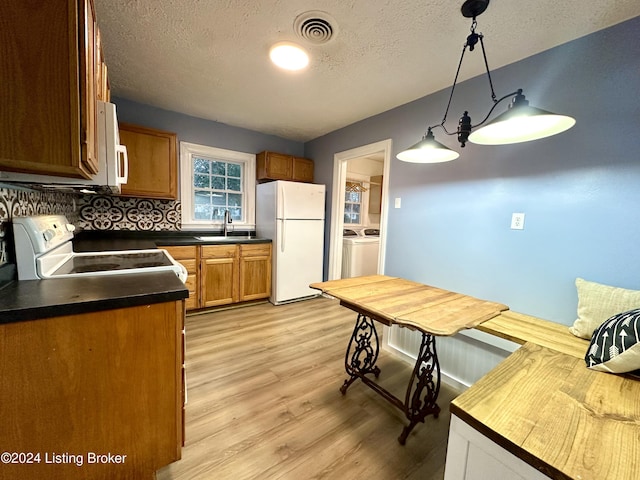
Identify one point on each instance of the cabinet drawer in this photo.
(190, 265)
(182, 252)
(257, 250)
(219, 251)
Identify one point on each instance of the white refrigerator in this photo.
(291, 214)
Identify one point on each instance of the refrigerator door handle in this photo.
(282, 236)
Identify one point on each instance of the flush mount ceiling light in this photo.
(520, 123)
(289, 56)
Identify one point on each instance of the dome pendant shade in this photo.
(427, 150)
(521, 123)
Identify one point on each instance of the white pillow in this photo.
(597, 303)
(615, 345)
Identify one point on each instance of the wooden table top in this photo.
(550, 410)
(395, 301)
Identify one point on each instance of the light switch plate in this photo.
(398, 202)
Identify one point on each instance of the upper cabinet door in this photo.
(278, 166)
(47, 83)
(302, 170)
(274, 166)
(153, 162)
(89, 87)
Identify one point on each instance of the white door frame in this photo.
(340, 160)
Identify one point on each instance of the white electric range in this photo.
(44, 250)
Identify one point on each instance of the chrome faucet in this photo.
(227, 221)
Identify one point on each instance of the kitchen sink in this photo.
(218, 239)
(231, 239)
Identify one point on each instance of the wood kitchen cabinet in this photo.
(219, 275)
(225, 274)
(255, 271)
(234, 273)
(279, 166)
(48, 80)
(103, 87)
(302, 170)
(101, 382)
(188, 257)
(153, 162)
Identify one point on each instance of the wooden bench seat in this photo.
(521, 328)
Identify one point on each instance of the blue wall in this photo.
(580, 190)
(203, 132)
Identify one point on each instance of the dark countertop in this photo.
(94, 241)
(39, 299)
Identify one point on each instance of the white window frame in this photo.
(187, 152)
(364, 204)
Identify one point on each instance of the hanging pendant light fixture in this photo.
(520, 123)
(428, 150)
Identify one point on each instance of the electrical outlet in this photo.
(517, 221)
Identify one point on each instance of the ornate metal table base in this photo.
(424, 384)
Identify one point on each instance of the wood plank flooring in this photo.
(264, 402)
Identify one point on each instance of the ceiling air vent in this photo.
(315, 27)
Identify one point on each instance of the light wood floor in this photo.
(264, 402)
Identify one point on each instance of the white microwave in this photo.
(113, 163)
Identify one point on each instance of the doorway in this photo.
(341, 160)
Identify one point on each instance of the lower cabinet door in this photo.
(255, 278)
(219, 279)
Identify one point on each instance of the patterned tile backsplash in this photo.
(122, 213)
(87, 212)
(21, 203)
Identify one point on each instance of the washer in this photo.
(360, 252)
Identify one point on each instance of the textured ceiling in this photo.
(209, 58)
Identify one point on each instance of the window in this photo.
(217, 186)
(353, 203)
(214, 180)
